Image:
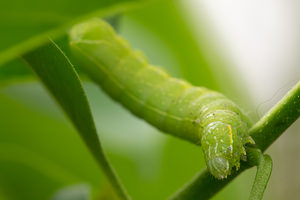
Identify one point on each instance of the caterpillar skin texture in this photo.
(196, 114)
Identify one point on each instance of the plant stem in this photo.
(277, 120)
(264, 133)
(204, 186)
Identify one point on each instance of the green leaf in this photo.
(264, 169)
(27, 24)
(58, 75)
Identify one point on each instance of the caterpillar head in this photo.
(223, 147)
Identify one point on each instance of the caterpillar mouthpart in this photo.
(219, 167)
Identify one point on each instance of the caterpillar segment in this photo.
(196, 114)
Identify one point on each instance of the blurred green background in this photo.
(41, 152)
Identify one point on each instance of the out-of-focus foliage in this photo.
(27, 24)
(73, 192)
(41, 152)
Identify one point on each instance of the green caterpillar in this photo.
(174, 106)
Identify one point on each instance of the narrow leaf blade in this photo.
(262, 177)
(59, 77)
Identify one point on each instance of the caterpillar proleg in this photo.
(196, 114)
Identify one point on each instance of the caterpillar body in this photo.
(196, 114)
